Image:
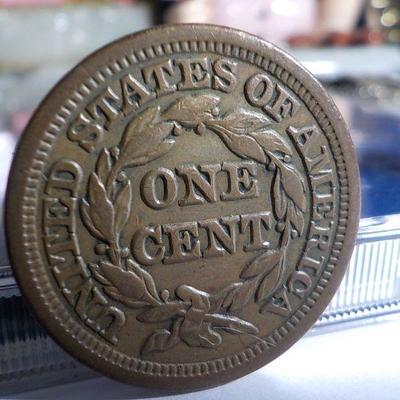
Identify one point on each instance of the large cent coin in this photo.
(182, 206)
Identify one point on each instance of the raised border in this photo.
(27, 171)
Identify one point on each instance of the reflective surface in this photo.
(101, 170)
(371, 109)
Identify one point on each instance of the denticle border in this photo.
(29, 204)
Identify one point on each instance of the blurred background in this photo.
(352, 46)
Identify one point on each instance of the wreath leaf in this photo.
(146, 278)
(133, 132)
(270, 282)
(163, 312)
(244, 122)
(95, 270)
(114, 293)
(160, 340)
(155, 153)
(231, 324)
(122, 207)
(294, 186)
(271, 141)
(87, 220)
(128, 283)
(296, 218)
(103, 166)
(243, 294)
(263, 264)
(279, 197)
(192, 110)
(223, 298)
(101, 209)
(243, 145)
(147, 146)
(195, 315)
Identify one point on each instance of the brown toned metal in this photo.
(182, 206)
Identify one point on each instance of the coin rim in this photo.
(25, 157)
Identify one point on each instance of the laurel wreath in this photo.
(192, 316)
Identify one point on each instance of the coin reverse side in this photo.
(182, 206)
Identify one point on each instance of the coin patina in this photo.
(182, 206)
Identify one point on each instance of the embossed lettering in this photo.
(126, 94)
(160, 73)
(149, 188)
(324, 189)
(242, 181)
(284, 105)
(304, 137)
(221, 235)
(274, 99)
(105, 105)
(86, 132)
(319, 236)
(160, 187)
(225, 75)
(65, 175)
(299, 283)
(200, 183)
(255, 222)
(280, 304)
(259, 90)
(92, 307)
(135, 94)
(150, 235)
(63, 253)
(311, 264)
(195, 73)
(58, 212)
(184, 242)
(316, 157)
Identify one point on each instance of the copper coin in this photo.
(182, 206)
